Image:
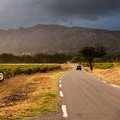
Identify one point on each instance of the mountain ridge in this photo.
(56, 39)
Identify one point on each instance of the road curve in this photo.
(88, 98)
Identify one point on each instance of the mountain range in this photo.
(56, 39)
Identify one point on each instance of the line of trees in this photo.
(87, 54)
(37, 58)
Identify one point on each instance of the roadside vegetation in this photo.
(11, 70)
(26, 96)
(103, 65)
(109, 71)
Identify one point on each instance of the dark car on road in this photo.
(78, 67)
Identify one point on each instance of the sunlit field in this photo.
(30, 94)
(109, 71)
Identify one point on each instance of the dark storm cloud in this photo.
(88, 13)
(88, 9)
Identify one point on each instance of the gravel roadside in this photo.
(49, 116)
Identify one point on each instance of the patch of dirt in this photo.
(13, 99)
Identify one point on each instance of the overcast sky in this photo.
(101, 14)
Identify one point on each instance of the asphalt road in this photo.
(85, 97)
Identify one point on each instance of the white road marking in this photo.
(113, 85)
(60, 78)
(104, 81)
(60, 81)
(65, 115)
(61, 94)
(60, 85)
(98, 78)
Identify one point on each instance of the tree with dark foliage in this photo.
(90, 53)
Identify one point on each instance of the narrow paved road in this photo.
(88, 98)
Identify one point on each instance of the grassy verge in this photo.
(109, 72)
(32, 95)
(111, 75)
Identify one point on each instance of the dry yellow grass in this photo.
(110, 75)
(30, 95)
(33, 90)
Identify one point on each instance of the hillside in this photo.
(54, 38)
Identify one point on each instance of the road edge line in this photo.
(65, 115)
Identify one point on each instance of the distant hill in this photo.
(55, 39)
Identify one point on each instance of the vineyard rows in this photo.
(13, 70)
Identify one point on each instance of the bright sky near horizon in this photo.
(100, 14)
